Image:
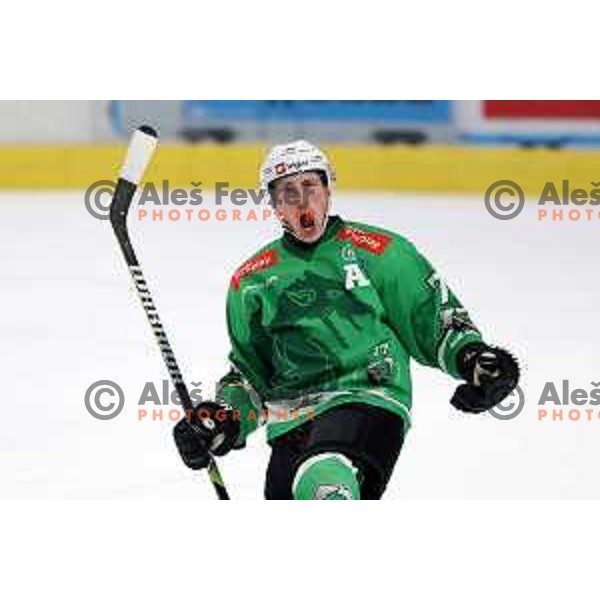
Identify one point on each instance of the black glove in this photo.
(491, 375)
(211, 430)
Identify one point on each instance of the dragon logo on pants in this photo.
(333, 491)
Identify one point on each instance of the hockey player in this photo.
(323, 323)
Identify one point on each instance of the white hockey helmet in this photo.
(295, 157)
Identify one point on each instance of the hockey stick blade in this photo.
(139, 154)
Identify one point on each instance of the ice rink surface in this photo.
(70, 317)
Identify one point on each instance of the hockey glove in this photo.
(211, 430)
(491, 375)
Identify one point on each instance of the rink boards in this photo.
(449, 169)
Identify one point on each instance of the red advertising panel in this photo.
(541, 109)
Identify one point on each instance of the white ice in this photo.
(69, 317)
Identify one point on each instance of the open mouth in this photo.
(307, 220)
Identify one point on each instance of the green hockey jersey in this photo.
(315, 326)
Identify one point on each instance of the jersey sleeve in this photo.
(245, 387)
(247, 349)
(425, 314)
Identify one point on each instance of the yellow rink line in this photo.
(426, 168)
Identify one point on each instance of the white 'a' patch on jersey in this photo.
(355, 277)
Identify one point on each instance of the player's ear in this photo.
(277, 204)
(274, 200)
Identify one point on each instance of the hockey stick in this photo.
(140, 151)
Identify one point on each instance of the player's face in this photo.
(302, 201)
